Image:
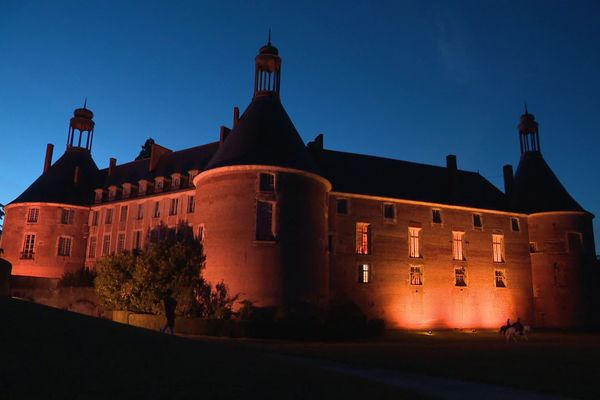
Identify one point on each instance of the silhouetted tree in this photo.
(146, 149)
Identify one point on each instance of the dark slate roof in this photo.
(265, 135)
(376, 176)
(57, 184)
(178, 161)
(537, 189)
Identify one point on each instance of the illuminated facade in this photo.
(283, 222)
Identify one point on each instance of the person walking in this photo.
(170, 304)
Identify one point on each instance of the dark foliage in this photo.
(146, 150)
(82, 277)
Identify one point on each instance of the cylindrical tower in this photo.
(262, 205)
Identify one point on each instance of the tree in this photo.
(146, 151)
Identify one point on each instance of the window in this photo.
(416, 275)
(137, 240)
(500, 276)
(28, 246)
(574, 242)
(140, 211)
(92, 247)
(267, 182)
(191, 204)
(64, 246)
(108, 216)
(33, 215)
(67, 216)
(436, 216)
(515, 226)
(342, 206)
(389, 212)
(95, 216)
(264, 221)
(106, 245)
(159, 185)
(124, 210)
(477, 221)
(176, 182)
(157, 209)
(120, 242)
(498, 247)
(460, 276)
(533, 247)
(364, 273)
(200, 234)
(414, 245)
(363, 238)
(458, 243)
(174, 207)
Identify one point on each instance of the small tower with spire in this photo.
(82, 122)
(267, 75)
(529, 133)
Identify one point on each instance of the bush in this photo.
(82, 277)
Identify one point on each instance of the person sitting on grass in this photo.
(170, 304)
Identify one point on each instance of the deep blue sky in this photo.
(409, 80)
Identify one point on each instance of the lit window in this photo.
(140, 211)
(95, 216)
(389, 212)
(498, 247)
(515, 226)
(64, 246)
(191, 204)
(120, 242)
(28, 246)
(574, 242)
(157, 209)
(436, 216)
(477, 221)
(124, 210)
(108, 217)
(500, 276)
(264, 221)
(106, 245)
(363, 238)
(414, 245)
(342, 206)
(458, 245)
(460, 276)
(267, 182)
(67, 216)
(33, 215)
(364, 273)
(416, 275)
(137, 240)
(92, 247)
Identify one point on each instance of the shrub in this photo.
(82, 277)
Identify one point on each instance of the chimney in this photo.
(112, 163)
(76, 176)
(451, 162)
(48, 160)
(451, 167)
(236, 116)
(223, 133)
(317, 144)
(509, 180)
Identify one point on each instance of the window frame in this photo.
(173, 206)
(269, 187)
(123, 213)
(191, 204)
(108, 216)
(459, 251)
(121, 244)
(416, 275)
(414, 242)
(514, 220)
(389, 206)
(439, 215)
(67, 216)
(365, 273)
(478, 216)
(346, 202)
(92, 244)
(106, 245)
(28, 247)
(364, 236)
(500, 273)
(156, 209)
(460, 275)
(261, 236)
(60, 248)
(36, 212)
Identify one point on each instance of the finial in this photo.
(526, 112)
(85, 102)
(269, 42)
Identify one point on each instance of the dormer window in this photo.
(112, 193)
(143, 187)
(159, 184)
(191, 175)
(175, 181)
(266, 182)
(128, 190)
(99, 194)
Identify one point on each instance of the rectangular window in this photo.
(174, 207)
(460, 276)
(515, 225)
(140, 211)
(95, 217)
(574, 242)
(67, 216)
(108, 217)
(120, 242)
(342, 206)
(33, 215)
(92, 247)
(458, 246)
(200, 233)
(28, 246)
(389, 212)
(363, 238)
(533, 247)
(64, 246)
(267, 182)
(416, 275)
(364, 273)
(477, 221)
(264, 221)
(500, 278)
(156, 209)
(498, 247)
(123, 217)
(106, 245)
(191, 204)
(436, 216)
(414, 245)
(137, 240)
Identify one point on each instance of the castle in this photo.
(282, 222)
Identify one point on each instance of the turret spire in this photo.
(82, 122)
(267, 75)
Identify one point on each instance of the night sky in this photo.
(408, 80)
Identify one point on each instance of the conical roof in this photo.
(58, 185)
(264, 135)
(537, 189)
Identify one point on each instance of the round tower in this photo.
(560, 235)
(262, 204)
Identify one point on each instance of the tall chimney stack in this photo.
(509, 180)
(48, 160)
(451, 162)
(112, 163)
(236, 116)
